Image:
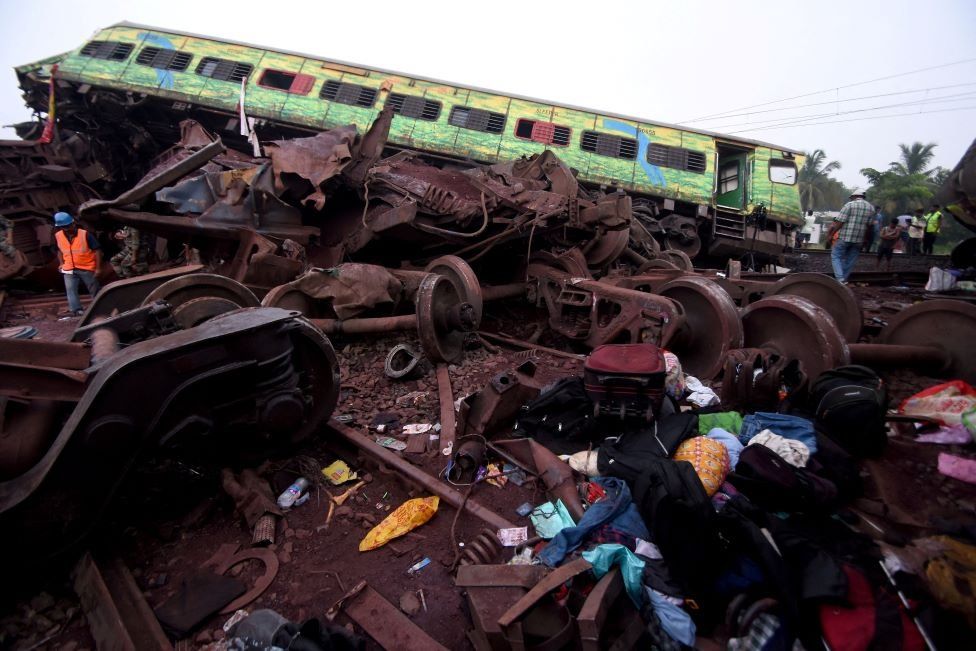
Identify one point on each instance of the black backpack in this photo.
(561, 412)
(850, 403)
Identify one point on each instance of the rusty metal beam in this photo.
(518, 343)
(448, 422)
(54, 354)
(415, 474)
(915, 357)
(369, 325)
(41, 382)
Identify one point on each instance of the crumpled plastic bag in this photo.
(549, 519)
(604, 557)
(945, 403)
(407, 517)
(940, 280)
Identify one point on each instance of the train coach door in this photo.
(730, 191)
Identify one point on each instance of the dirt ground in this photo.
(172, 517)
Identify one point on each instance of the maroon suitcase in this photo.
(626, 380)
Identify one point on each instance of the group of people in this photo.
(80, 257)
(859, 224)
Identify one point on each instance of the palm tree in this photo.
(914, 159)
(815, 178)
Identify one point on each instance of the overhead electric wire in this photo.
(841, 101)
(873, 117)
(800, 118)
(833, 89)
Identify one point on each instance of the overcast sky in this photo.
(671, 62)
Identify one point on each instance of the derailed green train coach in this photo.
(704, 191)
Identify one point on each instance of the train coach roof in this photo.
(679, 127)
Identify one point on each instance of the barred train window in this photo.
(223, 69)
(676, 157)
(415, 107)
(728, 177)
(605, 144)
(477, 119)
(544, 132)
(290, 82)
(344, 93)
(165, 59)
(782, 171)
(109, 50)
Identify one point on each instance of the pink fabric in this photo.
(957, 467)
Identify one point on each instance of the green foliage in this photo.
(818, 191)
(906, 184)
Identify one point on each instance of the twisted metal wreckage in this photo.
(236, 346)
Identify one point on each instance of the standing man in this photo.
(80, 257)
(933, 226)
(889, 237)
(904, 221)
(871, 234)
(916, 231)
(6, 238)
(132, 259)
(850, 225)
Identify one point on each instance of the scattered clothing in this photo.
(730, 441)
(952, 435)
(791, 427)
(958, 467)
(675, 622)
(794, 453)
(699, 394)
(730, 421)
(617, 510)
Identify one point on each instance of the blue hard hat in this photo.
(63, 219)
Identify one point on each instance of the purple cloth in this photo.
(957, 467)
(955, 434)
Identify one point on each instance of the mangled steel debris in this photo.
(256, 375)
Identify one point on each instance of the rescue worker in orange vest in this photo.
(80, 258)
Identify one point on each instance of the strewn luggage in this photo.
(850, 404)
(626, 380)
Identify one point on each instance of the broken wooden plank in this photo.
(384, 622)
(118, 615)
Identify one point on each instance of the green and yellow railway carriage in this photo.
(716, 182)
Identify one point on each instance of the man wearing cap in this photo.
(80, 257)
(850, 224)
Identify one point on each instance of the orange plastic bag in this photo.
(945, 403)
(408, 516)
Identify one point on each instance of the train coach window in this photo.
(782, 171)
(476, 119)
(607, 145)
(415, 107)
(223, 69)
(676, 157)
(109, 50)
(728, 177)
(290, 82)
(164, 59)
(336, 91)
(545, 132)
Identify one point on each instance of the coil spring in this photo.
(483, 550)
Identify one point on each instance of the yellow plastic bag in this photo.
(408, 516)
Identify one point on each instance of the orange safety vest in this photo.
(76, 253)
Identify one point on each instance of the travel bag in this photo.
(626, 380)
(850, 403)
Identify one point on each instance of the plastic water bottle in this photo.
(287, 499)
